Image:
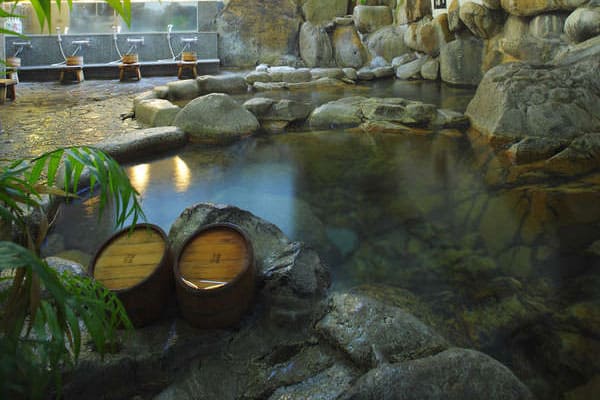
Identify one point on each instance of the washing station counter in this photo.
(159, 34)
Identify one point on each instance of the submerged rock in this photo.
(452, 374)
(372, 333)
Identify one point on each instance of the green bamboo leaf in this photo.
(36, 172)
(53, 160)
(42, 11)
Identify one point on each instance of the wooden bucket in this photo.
(130, 59)
(136, 266)
(74, 60)
(189, 56)
(215, 276)
(13, 61)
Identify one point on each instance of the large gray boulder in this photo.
(215, 118)
(411, 69)
(412, 10)
(253, 31)
(144, 142)
(454, 374)
(156, 112)
(348, 48)
(319, 11)
(371, 332)
(518, 100)
(429, 35)
(183, 90)
(461, 61)
(315, 46)
(535, 7)
(583, 24)
(368, 19)
(536, 41)
(482, 21)
(387, 42)
(547, 26)
(337, 114)
(230, 84)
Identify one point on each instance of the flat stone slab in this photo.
(144, 142)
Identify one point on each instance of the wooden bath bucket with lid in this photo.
(189, 56)
(74, 60)
(215, 276)
(13, 62)
(135, 264)
(130, 59)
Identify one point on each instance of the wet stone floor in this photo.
(47, 115)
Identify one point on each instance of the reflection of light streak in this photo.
(182, 175)
(139, 176)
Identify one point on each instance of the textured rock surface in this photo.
(253, 31)
(393, 334)
(368, 19)
(315, 46)
(144, 142)
(428, 35)
(319, 12)
(183, 90)
(412, 10)
(453, 374)
(518, 100)
(156, 112)
(348, 48)
(481, 21)
(401, 113)
(230, 84)
(411, 69)
(461, 61)
(387, 42)
(583, 24)
(215, 118)
(533, 42)
(534, 7)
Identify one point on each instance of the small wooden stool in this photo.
(75, 72)
(186, 65)
(132, 70)
(7, 89)
(11, 73)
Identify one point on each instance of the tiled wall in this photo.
(45, 49)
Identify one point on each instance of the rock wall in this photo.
(472, 36)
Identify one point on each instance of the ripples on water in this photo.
(411, 217)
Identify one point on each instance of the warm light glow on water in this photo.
(139, 176)
(182, 175)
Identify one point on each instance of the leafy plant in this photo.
(40, 335)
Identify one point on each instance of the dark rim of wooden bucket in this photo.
(124, 231)
(231, 283)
